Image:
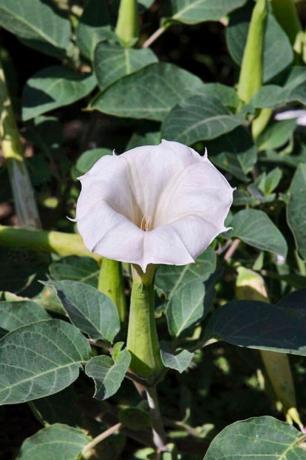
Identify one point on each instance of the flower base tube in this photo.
(142, 340)
(111, 284)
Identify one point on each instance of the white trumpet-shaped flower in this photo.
(156, 204)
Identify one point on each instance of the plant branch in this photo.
(154, 37)
(159, 436)
(101, 437)
(232, 249)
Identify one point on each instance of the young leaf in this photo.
(255, 228)
(84, 269)
(257, 438)
(20, 313)
(195, 11)
(198, 118)
(112, 62)
(54, 87)
(90, 310)
(56, 441)
(37, 24)
(108, 373)
(150, 93)
(50, 354)
(179, 361)
(259, 325)
(296, 209)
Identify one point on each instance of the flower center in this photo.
(146, 223)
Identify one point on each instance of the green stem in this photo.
(142, 341)
(260, 122)
(111, 284)
(127, 28)
(250, 79)
(159, 435)
(63, 244)
(25, 204)
(287, 16)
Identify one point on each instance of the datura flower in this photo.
(156, 204)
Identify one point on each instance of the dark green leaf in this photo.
(107, 373)
(90, 310)
(37, 23)
(259, 325)
(54, 442)
(178, 361)
(84, 269)
(195, 11)
(198, 118)
(112, 62)
(258, 438)
(150, 93)
(94, 27)
(54, 87)
(39, 360)
(296, 209)
(255, 228)
(276, 42)
(276, 135)
(20, 313)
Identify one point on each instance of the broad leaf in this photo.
(107, 373)
(195, 11)
(84, 269)
(185, 291)
(94, 27)
(49, 357)
(20, 313)
(54, 442)
(276, 135)
(276, 42)
(296, 301)
(38, 24)
(150, 93)
(54, 87)
(88, 159)
(225, 94)
(113, 62)
(257, 438)
(255, 228)
(296, 209)
(90, 310)
(259, 325)
(234, 152)
(198, 118)
(178, 361)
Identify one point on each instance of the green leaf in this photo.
(198, 118)
(259, 325)
(179, 361)
(258, 438)
(50, 354)
(38, 24)
(225, 94)
(234, 152)
(149, 94)
(296, 209)
(293, 90)
(276, 135)
(296, 301)
(54, 442)
(107, 373)
(90, 310)
(195, 11)
(84, 269)
(94, 27)
(146, 135)
(20, 313)
(276, 42)
(255, 228)
(89, 158)
(54, 87)
(112, 62)
(185, 291)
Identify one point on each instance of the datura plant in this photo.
(152, 230)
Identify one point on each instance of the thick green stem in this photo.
(250, 79)
(25, 204)
(287, 16)
(111, 284)
(127, 28)
(63, 244)
(142, 339)
(260, 122)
